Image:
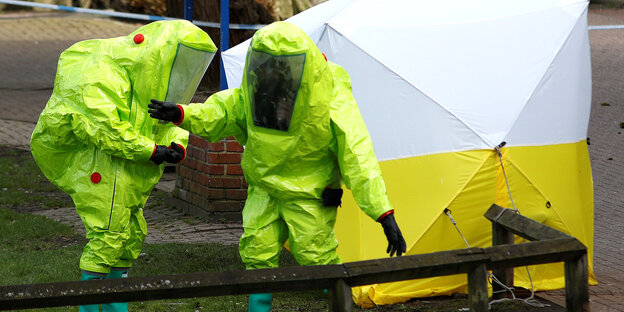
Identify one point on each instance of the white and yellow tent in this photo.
(440, 85)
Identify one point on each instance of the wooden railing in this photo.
(548, 245)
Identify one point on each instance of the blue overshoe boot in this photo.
(116, 306)
(90, 276)
(260, 302)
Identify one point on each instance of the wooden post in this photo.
(340, 298)
(577, 285)
(500, 236)
(477, 289)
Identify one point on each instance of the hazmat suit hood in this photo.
(287, 88)
(171, 63)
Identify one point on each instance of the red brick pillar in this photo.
(210, 181)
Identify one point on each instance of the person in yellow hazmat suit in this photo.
(96, 142)
(303, 136)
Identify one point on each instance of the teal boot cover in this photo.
(260, 302)
(84, 276)
(116, 306)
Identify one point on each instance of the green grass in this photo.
(29, 242)
(22, 185)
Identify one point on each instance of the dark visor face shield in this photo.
(187, 71)
(273, 82)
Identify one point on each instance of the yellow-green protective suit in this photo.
(288, 166)
(94, 138)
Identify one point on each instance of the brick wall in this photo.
(210, 182)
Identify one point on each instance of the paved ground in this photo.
(30, 45)
(165, 225)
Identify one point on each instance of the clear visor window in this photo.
(273, 82)
(187, 71)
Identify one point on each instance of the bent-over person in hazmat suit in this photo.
(303, 136)
(96, 142)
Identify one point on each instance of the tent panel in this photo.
(550, 115)
(426, 181)
(419, 188)
(311, 21)
(558, 175)
(552, 185)
(482, 71)
(527, 197)
(562, 172)
(389, 293)
(402, 121)
(468, 205)
(544, 276)
(422, 12)
(534, 201)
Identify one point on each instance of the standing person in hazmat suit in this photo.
(303, 136)
(95, 140)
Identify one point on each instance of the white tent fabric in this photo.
(433, 77)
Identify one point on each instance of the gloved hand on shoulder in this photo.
(396, 243)
(166, 111)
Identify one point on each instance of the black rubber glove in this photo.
(166, 111)
(396, 243)
(176, 153)
(160, 154)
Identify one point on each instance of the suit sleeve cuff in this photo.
(184, 153)
(385, 214)
(181, 116)
(154, 152)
